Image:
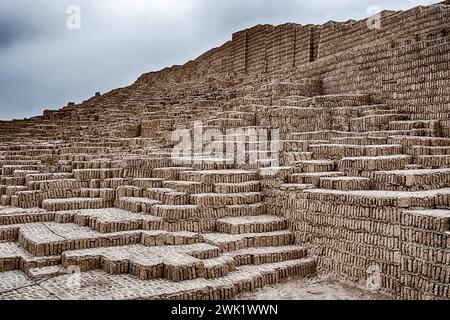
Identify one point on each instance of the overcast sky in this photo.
(44, 64)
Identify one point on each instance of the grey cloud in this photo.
(22, 20)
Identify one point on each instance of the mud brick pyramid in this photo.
(362, 190)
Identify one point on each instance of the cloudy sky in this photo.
(44, 64)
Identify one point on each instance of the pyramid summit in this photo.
(289, 151)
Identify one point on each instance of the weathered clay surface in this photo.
(361, 191)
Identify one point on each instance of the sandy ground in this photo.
(315, 288)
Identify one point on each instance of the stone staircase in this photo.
(95, 188)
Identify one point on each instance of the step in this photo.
(13, 190)
(91, 174)
(244, 279)
(130, 192)
(434, 161)
(251, 224)
(434, 198)
(218, 267)
(428, 151)
(20, 162)
(310, 166)
(375, 112)
(73, 204)
(298, 145)
(312, 178)
(8, 170)
(216, 200)
(419, 141)
(236, 115)
(195, 219)
(188, 186)
(175, 213)
(48, 176)
(109, 220)
(413, 124)
(9, 232)
(340, 130)
(147, 183)
(296, 186)
(255, 209)
(243, 187)
(169, 173)
(356, 165)
(230, 123)
(108, 194)
(28, 199)
(360, 140)
(215, 163)
(354, 111)
(168, 196)
(229, 242)
(276, 172)
(12, 181)
(337, 151)
(146, 162)
(259, 256)
(96, 164)
(137, 204)
(12, 215)
(14, 257)
(324, 135)
(434, 220)
(155, 238)
(219, 176)
(175, 263)
(413, 167)
(346, 183)
(23, 173)
(57, 184)
(404, 133)
(51, 239)
(374, 122)
(46, 272)
(297, 156)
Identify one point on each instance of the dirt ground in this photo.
(314, 288)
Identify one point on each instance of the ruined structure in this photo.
(361, 190)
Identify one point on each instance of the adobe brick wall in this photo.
(400, 28)
(261, 49)
(349, 233)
